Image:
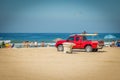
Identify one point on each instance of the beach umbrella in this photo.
(109, 37)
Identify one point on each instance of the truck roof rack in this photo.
(84, 34)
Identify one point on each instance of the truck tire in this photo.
(88, 48)
(60, 48)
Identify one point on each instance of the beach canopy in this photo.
(109, 37)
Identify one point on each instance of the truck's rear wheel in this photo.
(88, 48)
(60, 48)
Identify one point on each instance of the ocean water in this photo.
(46, 37)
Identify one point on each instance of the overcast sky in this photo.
(59, 16)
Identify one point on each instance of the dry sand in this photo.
(48, 64)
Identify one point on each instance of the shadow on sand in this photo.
(75, 51)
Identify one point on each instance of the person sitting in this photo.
(113, 44)
(118, 43)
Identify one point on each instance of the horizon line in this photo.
(58, 32)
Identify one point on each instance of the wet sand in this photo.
(45, 63)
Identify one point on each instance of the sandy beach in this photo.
(45, 63)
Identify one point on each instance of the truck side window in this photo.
(84, 38)
(70, 39)
(77, 38)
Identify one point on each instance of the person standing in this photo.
(42, 44)
(36, 44)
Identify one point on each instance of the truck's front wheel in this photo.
(60, 48)
(88, 49)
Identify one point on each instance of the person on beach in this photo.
(26, 44)
(118, 43)
(31, 44)
(42, 44)
(12, 45)
(3, 45)
(7, 45)
(113, 44)
(36, 44)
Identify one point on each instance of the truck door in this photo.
(78, 42)
(71, 39)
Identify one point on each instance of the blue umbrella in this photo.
(109, 37)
